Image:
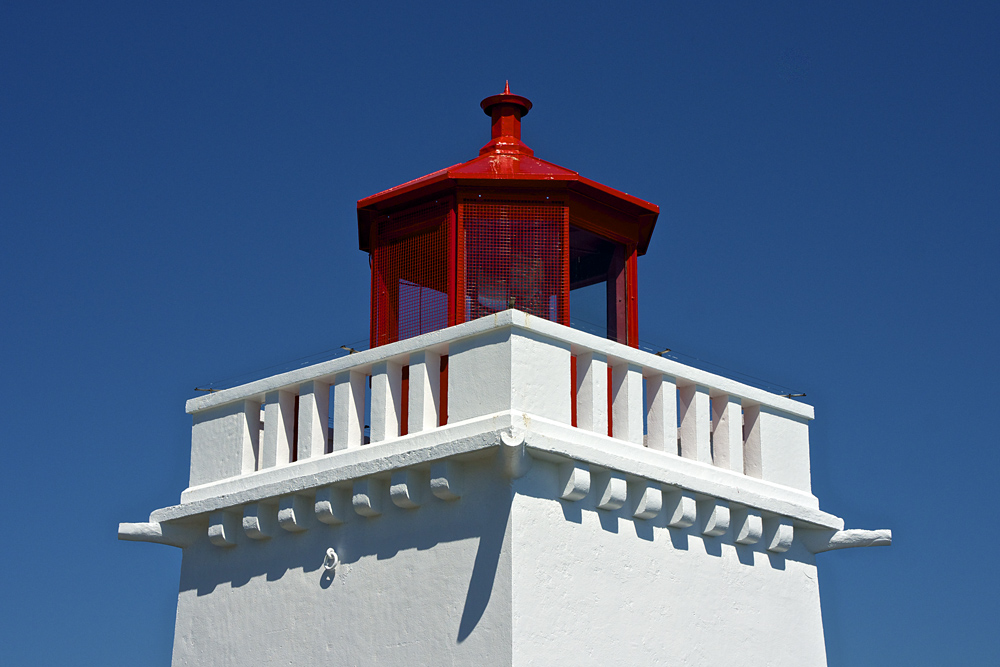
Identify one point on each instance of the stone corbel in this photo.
(818, 541)
(574, 481)
(159, 533)
(514, 458)
(446, 480)
(293, 513)
(367, 498)
(611, 490)
(647, 500)
(406, 488)
(259, 521)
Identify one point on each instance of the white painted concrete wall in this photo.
(594, 587)
(507, 574)
(424, 586)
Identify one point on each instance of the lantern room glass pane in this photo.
(410, 273)
(514, 257)
(595, 270)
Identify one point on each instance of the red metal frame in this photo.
(443, 412)
(632, 295)
(505, 170)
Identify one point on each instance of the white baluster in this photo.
(279, 415)
(314, 409)
(387, 387)
(727, 432)
(694, 429)
(348, 410)
(661, 413)
(425, 391)
(626, 402)
(592, 392)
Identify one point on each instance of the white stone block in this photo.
(540, 376)
(784, 449)
(626, 402)
(611, 490)
(294, 512)
(479, 375)
(661, 413)
(348, 410)
(647, 500)
(778, 534)
(751, 440)
(748, 527)
(259, 521)
(715, 517)
(425, 391)
(592, 392)
(446, 480)
(406, 488)
(314, 414)
(175, 535)
(727, 432)
(279, 415)
(367, 497)
(331, 505)
(222, 528)
(680, 507)
(387, 392)
(694, 428)
(224, 442)
(574, 481)
(514, 458)
(505, 370)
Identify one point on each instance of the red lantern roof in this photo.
(506, 162)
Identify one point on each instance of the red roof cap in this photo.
(505, 162)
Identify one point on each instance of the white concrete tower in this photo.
(488, 486)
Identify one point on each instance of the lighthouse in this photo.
(488, 485)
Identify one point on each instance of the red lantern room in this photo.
(503, 230)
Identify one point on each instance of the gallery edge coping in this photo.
(509, 319)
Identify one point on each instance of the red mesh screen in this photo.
(514, 254)
(410, 273)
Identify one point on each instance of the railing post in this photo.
(314, 409)
(250, 436)
(626, 402)
(727, 432)
(751, 441)
(348, 409)
(694, 429)
(661, 413)
(279, 413)
(592, 392)
(425, 391)
(387, 384)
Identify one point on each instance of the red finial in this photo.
(506, 110)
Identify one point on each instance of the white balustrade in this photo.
(509, 362)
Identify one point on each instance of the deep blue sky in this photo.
(177, 198)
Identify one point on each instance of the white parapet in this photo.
(507, 362)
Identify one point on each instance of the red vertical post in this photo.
(572, 390)
(295, 431)
(632, 290)
(452, 268)
(617, 295)
(443, 413)
(564, 287)
(404, 402)
(611, 406)
(460, 251)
